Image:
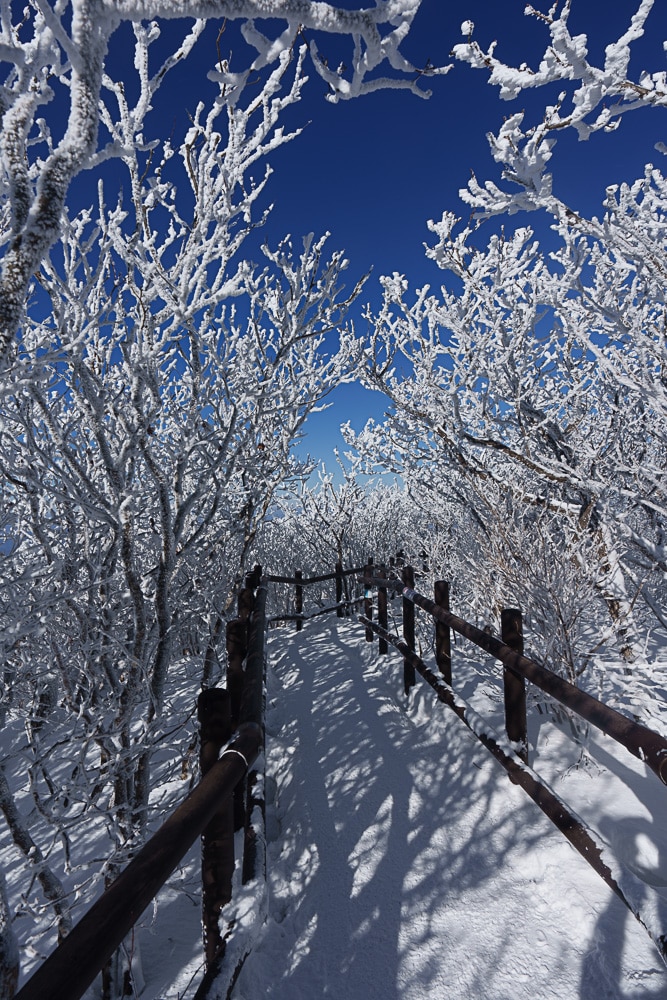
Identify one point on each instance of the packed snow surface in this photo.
(404, 864)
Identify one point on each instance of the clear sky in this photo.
(372, 171)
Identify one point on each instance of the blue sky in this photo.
(372, 171)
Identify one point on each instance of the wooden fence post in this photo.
(443, 636)
(217, 861)
(368, 598)
(237, 650)
(236, 641)
(408, 577)
(514, 685)
(298, 598)
(252, 712)
(339, 589)
(383, 621)
(245, 600)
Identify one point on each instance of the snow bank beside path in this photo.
(402, 862)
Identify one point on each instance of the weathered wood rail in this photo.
(512, 751)
(343, 603)
(232, 736)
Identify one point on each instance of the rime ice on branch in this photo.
(531, 399)
(56, 51)
(597, 99)
(146, 423)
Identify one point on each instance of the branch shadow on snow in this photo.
(638, 842)
(396, 844)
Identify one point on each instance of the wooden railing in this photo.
(232, 735)
(342, 605)
(512, 751)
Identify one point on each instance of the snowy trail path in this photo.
(402, 862)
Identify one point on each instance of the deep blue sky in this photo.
(372, 171)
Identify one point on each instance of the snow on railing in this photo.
(227, 799)
(343, 603)
(511, 750)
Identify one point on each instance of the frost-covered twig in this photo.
(58, 52)
(598, 101)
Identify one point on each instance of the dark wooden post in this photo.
(236, 641)
(368, 597)
(298, 599)
(514, 684)
(408, 577)
(217, 860)
(443, 636)
(383, 620)
(245, 600)
(339, 589)
(237, 650)
(252, 712)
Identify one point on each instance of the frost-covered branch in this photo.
(146, 425)
(535, 391)
(540, 378)
(55, 64)
(599, 99)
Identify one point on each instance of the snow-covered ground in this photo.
(404, 864)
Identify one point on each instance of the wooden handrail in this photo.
(511, 752)
(643, 743)
(72, 967)
(628, 888)
(306, 616)
(307, 580)
(298, 581)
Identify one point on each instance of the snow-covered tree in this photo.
(156, 387)
(337, 519)
(57, 87)
(532, 389)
